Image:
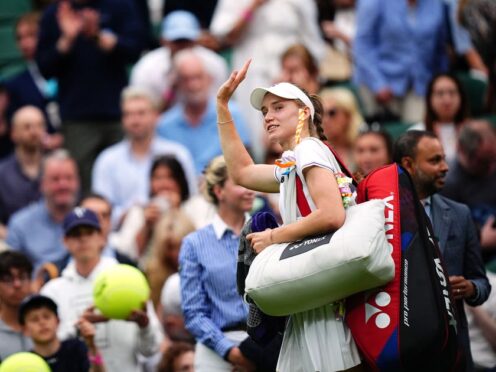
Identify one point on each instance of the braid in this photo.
(317, 117)
(299, 128)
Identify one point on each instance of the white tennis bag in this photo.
(292, 277)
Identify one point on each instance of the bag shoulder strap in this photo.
(301, 200)
(343, 167)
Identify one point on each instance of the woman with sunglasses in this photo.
(294, 120)
(341, 122)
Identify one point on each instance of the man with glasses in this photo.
(15, 285)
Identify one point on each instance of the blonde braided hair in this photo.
(299, 127)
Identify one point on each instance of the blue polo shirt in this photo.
(32, 231)
(202, 140)
(16, 189)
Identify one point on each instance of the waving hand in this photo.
(227, 89)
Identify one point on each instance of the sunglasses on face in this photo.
(332, 112)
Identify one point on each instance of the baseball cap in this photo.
(180, 24)
(80, 216)
(283, 90)
(35, 301)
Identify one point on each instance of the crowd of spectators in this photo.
(112, 115)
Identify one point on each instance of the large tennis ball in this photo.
(24, 362)
(119, 290)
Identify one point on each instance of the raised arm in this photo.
(240, 165)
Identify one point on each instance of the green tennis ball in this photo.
(24, 362)
(119, 290)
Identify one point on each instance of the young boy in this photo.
(39, 318)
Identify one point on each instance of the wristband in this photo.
(96, 359)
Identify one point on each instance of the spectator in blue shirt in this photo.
(122, 172)
(103, 209)
(214, 312)
(36, 230)
(19, 183)
(192, 121)
(398, 46)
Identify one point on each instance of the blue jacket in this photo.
(388, 51)
(90, 80)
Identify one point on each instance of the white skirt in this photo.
(316, 340)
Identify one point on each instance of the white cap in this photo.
(170, 297)
(283, 90)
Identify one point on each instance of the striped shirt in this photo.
(210, 301)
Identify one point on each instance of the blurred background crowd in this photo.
(110, 105)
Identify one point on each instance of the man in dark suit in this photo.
(87, 45)
(29, 87)
(422, 155)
